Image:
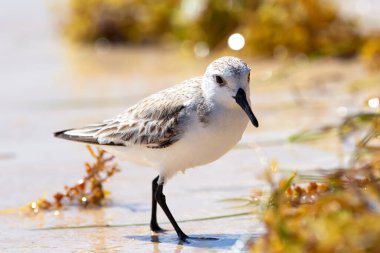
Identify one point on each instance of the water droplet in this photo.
(374, 103)
(236, 41)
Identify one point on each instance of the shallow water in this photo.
(47, 86)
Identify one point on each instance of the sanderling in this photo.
(187, 125)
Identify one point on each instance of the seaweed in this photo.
(339, 212)
(88, 191)
(311, 27)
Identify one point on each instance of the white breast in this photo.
(209, 142)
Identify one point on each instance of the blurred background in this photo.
(276, 28)
(69, 63)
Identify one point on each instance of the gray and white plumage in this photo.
(184, 126)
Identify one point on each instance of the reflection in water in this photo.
(98, 237)
(178, 248)
(218, 241)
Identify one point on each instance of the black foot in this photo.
(157, 229)
(183, 238)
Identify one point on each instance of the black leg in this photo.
(153, 220)
(160, 197)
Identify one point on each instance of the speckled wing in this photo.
(154, 122)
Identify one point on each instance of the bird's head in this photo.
(226, 80)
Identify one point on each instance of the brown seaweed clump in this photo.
(342, 214)
(339, 214)
(310, 27)
(88, 191)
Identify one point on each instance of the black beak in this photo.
(241, 99)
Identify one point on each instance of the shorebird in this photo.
(187, 125)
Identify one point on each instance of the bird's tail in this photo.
(77, 135)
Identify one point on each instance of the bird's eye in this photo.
(219, 80)
(249, 77)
